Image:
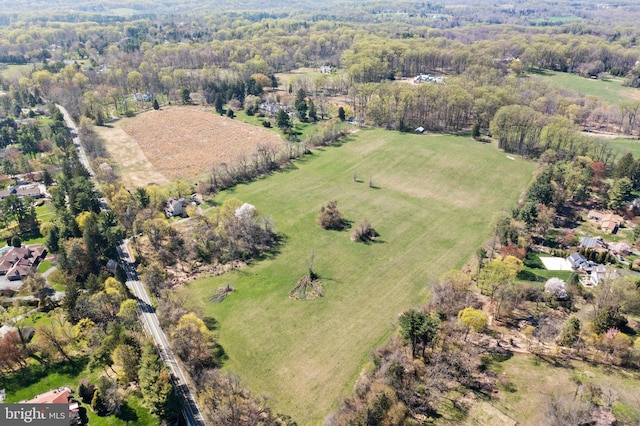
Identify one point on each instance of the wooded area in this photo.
(314, 72)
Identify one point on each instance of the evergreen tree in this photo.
(475, 130)
(301, 105)
(341, 114)
(97, 403)
(46, 178)
(283, 121)
(156, 105)
(218, 103)
(313, 114)
(624, 167)
(155, 384)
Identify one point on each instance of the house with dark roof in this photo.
(17, 262)
(577, 260)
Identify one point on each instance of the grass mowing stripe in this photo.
(435, 198)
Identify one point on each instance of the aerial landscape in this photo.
(320, 212)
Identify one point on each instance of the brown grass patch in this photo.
(187, 141)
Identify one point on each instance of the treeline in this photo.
(161, 56)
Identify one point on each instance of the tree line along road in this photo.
(147, 315)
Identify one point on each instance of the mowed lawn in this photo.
(626, 145)
(433, 199)
(609, 91)
(536, 380)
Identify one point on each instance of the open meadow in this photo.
(431, 198)
(610, 91)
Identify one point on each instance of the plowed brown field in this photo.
(180, 142)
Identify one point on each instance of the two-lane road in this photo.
(147, 313)
(152, 325)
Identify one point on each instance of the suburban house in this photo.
(426, 78)
(326, 69)
(609, 222)
(144, 97)
(175, 207)
(17, 262)
(577, 260)
(601, 273)
(58, 396)
(29, 190)
(593, 243)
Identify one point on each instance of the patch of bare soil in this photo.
(131, 164)
(187, 141)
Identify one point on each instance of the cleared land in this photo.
(185, 142)
(433, 199)
(609, 91)
(626, 145)
(535, 380)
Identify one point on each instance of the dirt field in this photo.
(158, 146)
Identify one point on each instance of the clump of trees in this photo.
(329, 217)
(414, 372)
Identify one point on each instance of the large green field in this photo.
(625, 145)
(432, 200)
(609, 91)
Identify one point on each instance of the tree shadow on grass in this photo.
(279, 241)
(34, 373)
(127, 414)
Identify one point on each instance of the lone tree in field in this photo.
(329, 217)
(156, 105)
(364, 233)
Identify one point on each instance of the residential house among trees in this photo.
(175, 207)
(17, 262)
(31, 190)
(609, 222)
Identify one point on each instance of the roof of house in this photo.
(17, 262)
(33, 189)
(588, 242)
(576, 259)
(55, 396)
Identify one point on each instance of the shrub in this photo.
(608, 318)
(329, 217)
(266, 124)
(364, 233)
(570, 332)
